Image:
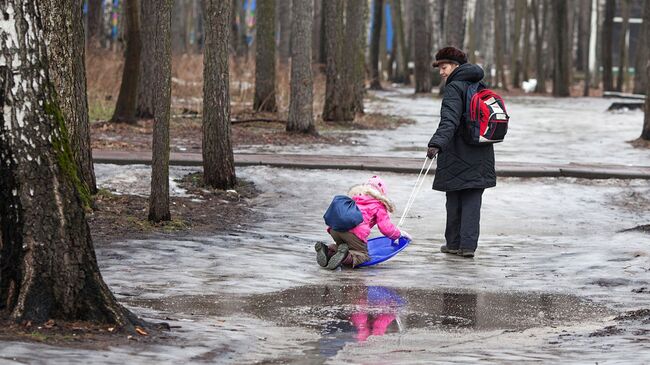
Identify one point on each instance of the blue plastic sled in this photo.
(382, 248)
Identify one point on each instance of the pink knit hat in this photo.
(378, 184)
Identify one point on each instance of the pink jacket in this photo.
(375, 208)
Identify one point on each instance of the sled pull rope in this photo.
(416, 189)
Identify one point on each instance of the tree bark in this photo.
(94, 23)
(125, 108)
(520, 11)
(218, 159)
(606, 47)
(47, 260)
(265, 57)
(355, 48)
(454, 23)
(146, 76)
(402, 70)
(539, 44)
(242, 43)
(301, 104)
(525, 68)
(584, 34)
(375, 39)
(338, 106)
(640, 77)
(645, 134)
(162, 53)
(562, 54)
(623, 61)
(317, 29)
(421, 47)
(499, 37)
(179, 46)
(284, 49)
(65, 34)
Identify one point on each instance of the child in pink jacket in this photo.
(351, 247)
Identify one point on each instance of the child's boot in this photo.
(336, 260)
(321, 253)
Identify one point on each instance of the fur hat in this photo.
(379, 184)
(450, 55)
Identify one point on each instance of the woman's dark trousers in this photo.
(463, 216)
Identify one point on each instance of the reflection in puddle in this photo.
(344, 314)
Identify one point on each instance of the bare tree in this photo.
(284, 49)
(645, 134)
(301, 116)
(68, 73)
(125, 109)
(454, 23)
(94, 23)
(146, 74)
(402, 69)
(643, 52)
(584, 35)
(317, 30)
(242, 44)
(47, 260)
(218, 159)
(355, 36)
(265, 57)
(499, 41)
(538, 16)
(606, 47)
(375, 39)
(525, 68)
(561, 64)
(520, 13)
(338, 106)
(161, 83)
(623, 61)
(421, 47)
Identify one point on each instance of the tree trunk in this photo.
(147, 60)
(125, 109)
(646, 121)
(375, 39)
(421, 47)
(265, 57)
(47, 260)
(584, 33)
(562, 54)
(178, 25)
(301, 104)
(284, 49)
(606, 47)
(525, 68)
(317, 29)
(338, 106)
(640, 77)
(218, 160)
(242, 43)
(65, 34)
(538, 17)
(520, 11)
(624, 41)
(454, 23)
(160, 17)
(94, 24)
(499, 37)
(402, 70)
(355, 49)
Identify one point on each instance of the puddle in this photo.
(353, 313)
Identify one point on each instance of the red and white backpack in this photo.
(486, 119)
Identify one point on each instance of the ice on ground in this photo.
(541, 130)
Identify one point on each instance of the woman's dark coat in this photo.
(460, 165)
